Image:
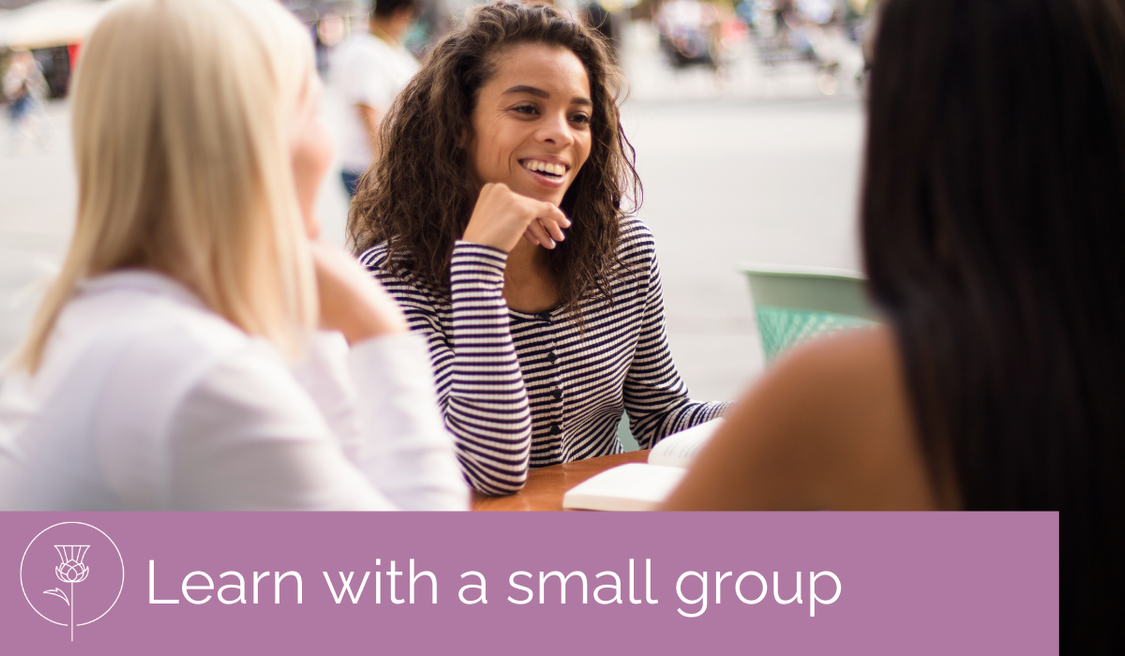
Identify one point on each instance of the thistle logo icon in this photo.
(81, 553)
(71, 571)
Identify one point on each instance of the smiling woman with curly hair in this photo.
(497, 216)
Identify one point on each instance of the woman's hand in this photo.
(502, 216)
(351, 300)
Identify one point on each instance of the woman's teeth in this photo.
(544, 167)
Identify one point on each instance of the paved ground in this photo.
(749, 166)
(729, 181)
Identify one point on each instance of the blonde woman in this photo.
(176, 364)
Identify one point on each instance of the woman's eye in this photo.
(581, 119)
(525, 109)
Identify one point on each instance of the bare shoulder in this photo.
(848, 372)
(828, 426)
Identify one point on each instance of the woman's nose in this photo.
(555, 129)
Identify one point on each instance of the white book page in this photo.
(679, 449)
(634, 486)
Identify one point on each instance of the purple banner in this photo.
(645, 583)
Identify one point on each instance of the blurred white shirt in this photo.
(147, 400)
(369, 71)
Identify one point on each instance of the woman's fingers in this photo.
(553, 229)
(548, 224)
(555, 214)
(502, 216)
(541, 234)
(553, 220)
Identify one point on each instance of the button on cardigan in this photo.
(520, 390)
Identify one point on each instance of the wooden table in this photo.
(546, 486)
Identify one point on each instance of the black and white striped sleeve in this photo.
(656, 398)
(479, 382)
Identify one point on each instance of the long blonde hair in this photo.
(183, 113)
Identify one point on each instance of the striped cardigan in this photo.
(522, 389)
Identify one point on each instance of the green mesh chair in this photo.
(794, 304)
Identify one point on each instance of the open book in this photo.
(638, 486)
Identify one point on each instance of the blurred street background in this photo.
(747, 121)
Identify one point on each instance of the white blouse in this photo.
(147, 400)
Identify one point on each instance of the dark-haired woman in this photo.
(494, 217)
(993, 219)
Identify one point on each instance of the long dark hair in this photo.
(420, 193)
(992, 217)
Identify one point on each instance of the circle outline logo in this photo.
(23, 588)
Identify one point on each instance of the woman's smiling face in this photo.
(531, 124)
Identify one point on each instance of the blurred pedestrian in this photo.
(25, 88)
(372, 67)
(596, 16)
(175, 363)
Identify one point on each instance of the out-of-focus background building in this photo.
(746, 117)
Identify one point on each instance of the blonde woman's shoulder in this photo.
(151, 307)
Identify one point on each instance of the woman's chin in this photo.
(530, 189)
(552, 196)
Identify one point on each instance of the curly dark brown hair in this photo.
(419, 194)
